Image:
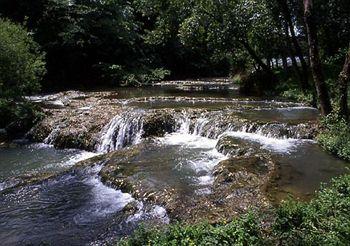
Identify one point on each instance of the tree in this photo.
(344, 78)
(22, 64)
(315, 61)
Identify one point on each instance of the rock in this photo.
(158, 123)
(79, 123)
(228, 145)
(239, 184)
(56, 104)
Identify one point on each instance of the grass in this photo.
(323, 221)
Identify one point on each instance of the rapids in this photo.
(176, 130)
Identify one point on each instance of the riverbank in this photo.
(323, 221)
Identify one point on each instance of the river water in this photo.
(76, 208)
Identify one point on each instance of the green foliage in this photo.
(335, 136)
(21, 63)
(324, 221)
(18, 117)
(296, 94)
(243, 231)
(144, 77)
(117, 75)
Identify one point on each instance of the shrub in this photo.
(242, 231)
(21, 69)
(117, 75)
(18, 117)
(21, 63)
(324, 221)
(335, 136)
(296, 94)
(144, 77)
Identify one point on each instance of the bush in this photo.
(117, 75)
(335, 136)
(296, 94)
(144, 77)
(324, 221)
(18, 117)
(242, 231)
(21, 69)
(21, 63)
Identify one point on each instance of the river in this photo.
(175, 134)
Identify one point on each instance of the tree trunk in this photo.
(292, 54)
(315, 61)
(268, 63)
(256, 58)
(284, 61)
(299, 53)
(344, 78)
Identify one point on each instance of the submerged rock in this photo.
(239, 184)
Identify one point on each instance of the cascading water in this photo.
(123, 130)
(78, 208)
(52, 136)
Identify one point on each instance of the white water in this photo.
(208, 157)
(149, 212)
(273, 144)
(105, 200)
(123, 130)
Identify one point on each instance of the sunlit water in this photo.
(77, 209)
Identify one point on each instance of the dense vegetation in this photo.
(21, 69)
(323, 221)
(292, 48)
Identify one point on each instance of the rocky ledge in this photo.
(78, 120)
(239, 185)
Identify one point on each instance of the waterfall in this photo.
(122, 130)
(127, 128)
(214, 124)
(52, 136)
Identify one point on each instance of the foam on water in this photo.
(207, 156)
(206, 180)
(84, 155)
(188, 140)
(105, 201)
(273, 144)
(145, 213)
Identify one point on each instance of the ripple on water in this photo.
(74, 209)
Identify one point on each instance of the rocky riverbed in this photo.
(182, 151)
